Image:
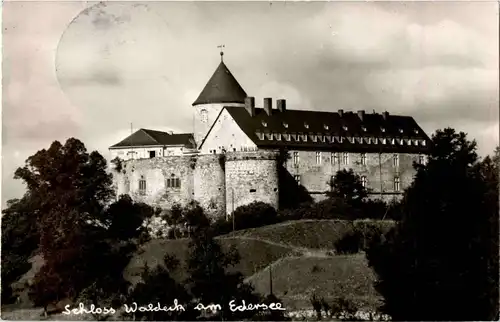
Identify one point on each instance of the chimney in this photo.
(341, 112)
(268, 105)
(250, 105)
(281, 104)
(385, 115)
(361, 115)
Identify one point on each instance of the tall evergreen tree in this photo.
(437, 264)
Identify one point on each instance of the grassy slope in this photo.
(317, 234)
(255, 255)
(296, 279)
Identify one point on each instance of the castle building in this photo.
(239, 153)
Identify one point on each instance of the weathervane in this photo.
(221, 52)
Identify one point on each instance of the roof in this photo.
(145, 137)
(330, 124)
(221, 88)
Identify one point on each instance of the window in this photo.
(395, 160)
(252, 190)
(396, 184)
(173, 182)
(423, 142)
(278, 136)
(152, 154)
(297, 179)
(318, 157)
(334, 158)
(285, 125)
(314, 138)
(363, 158)
(287, 137)
(326, 127)
(306, 125)
(264, 123)
(142, 186)
(127, 186)
(204, 116)
(421, 159)
(363, 181)
(345, 158)
(296, 158)
(332, 178)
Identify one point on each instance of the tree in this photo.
(208, 281)
(158, 286)
(437, 263)
(124, 218)
(347, 186)
(255, 214)
(67, 190)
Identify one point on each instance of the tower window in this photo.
(363, 181)
(363, 158)
(345, 158)
(297, 179)
(152, 154)
(421, 159)
(318, 157)
(204, 116)
(335, 158)
(396, 184)
(395, 160)
(142, 186)
(296, 158)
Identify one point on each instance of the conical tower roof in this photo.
(221, 88)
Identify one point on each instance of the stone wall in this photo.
(209, 183)
(378, 169)
(155, 172)
(251, 176)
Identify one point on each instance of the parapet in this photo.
(253, 155)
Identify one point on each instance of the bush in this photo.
(255, 214)
(350, 243)
(222, 226)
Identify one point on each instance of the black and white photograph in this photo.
(250, 160)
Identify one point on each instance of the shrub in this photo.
(255, 214)
(350, 243)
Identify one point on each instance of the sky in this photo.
(88, 70)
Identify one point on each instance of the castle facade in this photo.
(239, 153)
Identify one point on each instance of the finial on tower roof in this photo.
(221, 52)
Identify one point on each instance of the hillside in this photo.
(317, 234)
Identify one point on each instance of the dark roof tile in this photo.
(329, 123)
(145, 137)
(221, 88)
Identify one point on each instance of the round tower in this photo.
(251, 176)
(221, 90)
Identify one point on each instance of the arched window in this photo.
(142, 186)
(204, 116)
(396, 184)
(363, 181)
(173, 182)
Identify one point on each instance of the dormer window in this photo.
(341, 139)
(384, 140)
(260, 135)
(294, 136)
(393, 141)
(382, 129)
(344, 127)
(306, 125)
(416, 131)
(285, 125)
(304, 137)
(401, 142)
(269, 136)
(264, 124)
(423, 142)
(278, 136)
(368, 140)
(363, 128)
(375, 141)
(326, 127)
(400, 130)
(415, 142)
(314, 138)
(287, 136)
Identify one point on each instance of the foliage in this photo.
(208, 280)
(347, 186)
(124, 218)
(350, 243)
(117, 162)
(441, 261)
(255, 214)
(62, 214)
(158, 286)
(19, 241)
